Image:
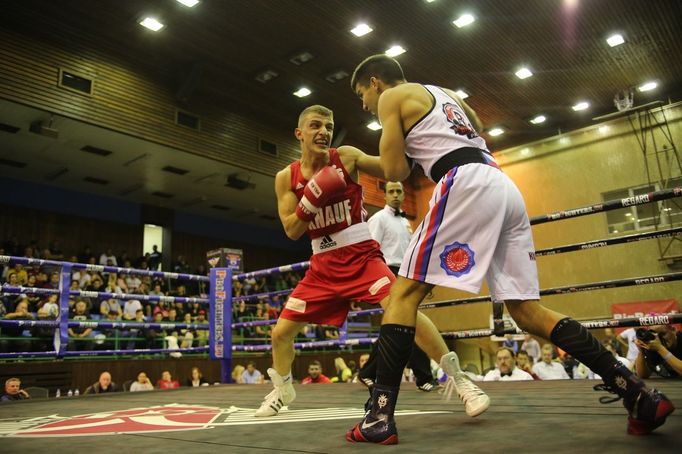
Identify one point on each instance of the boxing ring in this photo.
(537, 416)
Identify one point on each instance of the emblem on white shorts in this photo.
(457, 259)
(296, 305)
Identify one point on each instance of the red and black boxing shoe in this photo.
(647, 411)
(647, 408)
(378, 425)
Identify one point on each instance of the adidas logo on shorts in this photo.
(327, 242)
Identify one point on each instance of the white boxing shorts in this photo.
(477, 227)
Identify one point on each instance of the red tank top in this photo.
(341, 211)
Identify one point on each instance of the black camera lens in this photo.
(645, 335)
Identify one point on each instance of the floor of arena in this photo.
(547, 416)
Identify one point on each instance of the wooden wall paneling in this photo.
(73, 232)
(132, 100)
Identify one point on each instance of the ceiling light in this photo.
(394, 51)
(464, 20)
(337, 76)
(523, 73)
(266, 76)
(152, 24)
(361, 30)
(538, 119)
(301, 57)
(374, 126)
(647, 86)
(615, 40)
(603, 129)
(189, 3)
(496, 132)
(462, 94)
(581, 106)
(302, 92)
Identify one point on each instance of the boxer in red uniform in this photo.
(320, 195)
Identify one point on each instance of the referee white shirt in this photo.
(392, 232)
(516, 375)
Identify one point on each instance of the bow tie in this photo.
(399, 213)
(508, 374)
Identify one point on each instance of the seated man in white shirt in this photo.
(506, 369)
(548, 369)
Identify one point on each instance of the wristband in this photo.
(667, 356)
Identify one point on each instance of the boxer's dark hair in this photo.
(382, 66)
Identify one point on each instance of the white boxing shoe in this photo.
(475, 400)
(281, 396)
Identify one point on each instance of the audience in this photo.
(252, 376)
(315, 374)
(531, 347)
(525, 362)
(13, 391)
(196, 378)
(547, 369)
(103, 385)
(506, 370)
(344, 374)
(142, 383)
(237, 374)
(166, 381)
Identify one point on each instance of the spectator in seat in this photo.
(19, 343)
(13, 391)
(201, 334)
(315, 374)
(108, 258)
(110, 305)
(103, 385)
(142, 383)
(525, 362)
(166, 381)
(548, 369)
(252, 376)
(531, 347)
(237, 374)
(80, 315)
(196, 378)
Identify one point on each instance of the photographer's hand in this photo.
(653, 345)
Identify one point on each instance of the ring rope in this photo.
(642, 280)
(4, 288)
(663, 319)
(594, 244)
(270, 271)
(101, 268)
(104, 324)
(609, 205)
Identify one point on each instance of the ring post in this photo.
(220, 340)
(61, 335)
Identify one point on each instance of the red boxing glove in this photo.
(322, 186)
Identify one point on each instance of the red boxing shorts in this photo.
(356, 272)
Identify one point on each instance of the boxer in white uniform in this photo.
(476, 228)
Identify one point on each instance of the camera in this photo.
(646, 335)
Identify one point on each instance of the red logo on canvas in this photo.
(136, 420)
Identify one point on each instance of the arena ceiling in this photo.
(563, 43)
